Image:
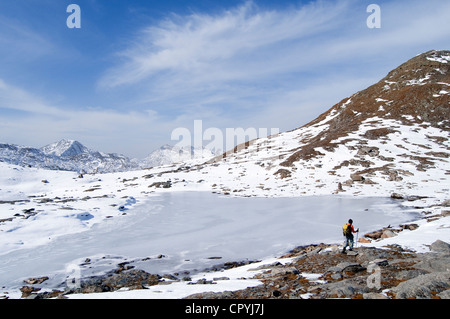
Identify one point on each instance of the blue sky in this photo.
(136, 70)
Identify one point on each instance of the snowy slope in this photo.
(391, 137)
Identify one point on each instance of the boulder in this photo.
(379, 262)
(374, 295)
(444, 295)
(374, 235)
(36, 281)
(410, 226)
(284, 173)
(440, 246)
(27, 291)
(371, 151)
(357, 178)
(167, 184)
(423, 286)
(349, 267)
(434, 262)
(387, 233)
(281, 271)
(397, 196)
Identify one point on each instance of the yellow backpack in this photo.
(346, 230)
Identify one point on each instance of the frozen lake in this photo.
(195, 230)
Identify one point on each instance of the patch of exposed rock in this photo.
(322, 271)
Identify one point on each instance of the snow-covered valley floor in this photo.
(58, 225)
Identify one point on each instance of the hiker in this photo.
(348, 231)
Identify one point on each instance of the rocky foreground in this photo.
(365, 273)
(318, 271)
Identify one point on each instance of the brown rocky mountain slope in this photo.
(409, 94)
(391, 137)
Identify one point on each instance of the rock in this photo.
(281, 271)
(434, 262)
(351, 253)
(440, 246)
(314, 251)
(374, 235)
(371, 151)
(220, 278)
(167, 184)
(423, 286)
(334, 269)
(336, 276)
(388, 234)
(393, 176)
(446, 203)
(346, 288)
(410, 226)
(276, 293)
(444, 295)
(379, 262)
(410, 274)
(132, 279)
(397, 196)
(364, 240)
(350, 267)
(36, 281)
(357, 178)
(28, 290)
(202, 281)
(284, 173)
(374, 295)
(368, 254)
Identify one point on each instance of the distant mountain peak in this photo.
(65, 147)
(169, 154)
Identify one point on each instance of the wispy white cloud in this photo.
(243, 57)
(241, 44)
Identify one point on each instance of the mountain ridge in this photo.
(71, 155)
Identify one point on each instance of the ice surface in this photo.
(188, 228)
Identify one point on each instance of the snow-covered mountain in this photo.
(168, 154)
(65, 148)
(71, 155)
(68, 155)
(391, 137)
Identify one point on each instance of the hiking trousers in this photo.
(349, 241)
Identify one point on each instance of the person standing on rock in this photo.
(348, 231)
